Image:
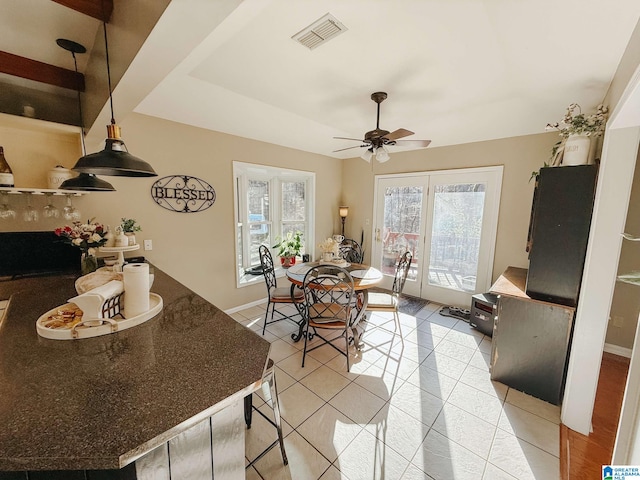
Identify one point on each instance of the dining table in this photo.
(364, 278)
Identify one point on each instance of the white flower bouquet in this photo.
(329, 245)
(86, 236)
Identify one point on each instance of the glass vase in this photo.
(88, 263)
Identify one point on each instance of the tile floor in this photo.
(416, 406)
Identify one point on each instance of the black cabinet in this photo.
(559, 231)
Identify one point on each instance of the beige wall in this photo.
(519, 155)
(198, 248)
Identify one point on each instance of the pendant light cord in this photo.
(106, 48)
(84, 148)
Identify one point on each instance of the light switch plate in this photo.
(148, 245)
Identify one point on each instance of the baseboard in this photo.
(616, 350)
(246, 305)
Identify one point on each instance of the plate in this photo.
(368, 274)
(336, 264)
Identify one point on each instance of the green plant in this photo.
(579, 123)
(129, 225)
(290, 245)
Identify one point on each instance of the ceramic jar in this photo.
(576, 150)
(57, 175)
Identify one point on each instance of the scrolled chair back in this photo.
(329, 294)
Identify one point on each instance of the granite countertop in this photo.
(97, 403)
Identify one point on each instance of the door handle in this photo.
(377, 234)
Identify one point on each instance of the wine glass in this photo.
(69, 212)
(6, 212)
(30, 214)
(50, 210)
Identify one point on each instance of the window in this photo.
(269, 203)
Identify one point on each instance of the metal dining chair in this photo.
(388, 302)
(270, 394)
(351, 251)
(329, 296)
(276, 295)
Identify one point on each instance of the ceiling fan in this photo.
(376, 141)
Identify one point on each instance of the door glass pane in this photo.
(401, 231)
(455, 237)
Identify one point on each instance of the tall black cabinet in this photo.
(559, 231)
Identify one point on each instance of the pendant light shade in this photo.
(87, 182)
(84, 181)
(114, 160)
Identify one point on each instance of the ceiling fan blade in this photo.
(349, 148)
(413, 143)
(400, 133)
(347, 138)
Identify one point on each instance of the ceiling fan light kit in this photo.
(114, 160)
(376, 141)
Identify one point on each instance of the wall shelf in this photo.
(42, 191)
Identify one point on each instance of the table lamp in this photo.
(344, 211)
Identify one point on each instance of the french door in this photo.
(448, 220)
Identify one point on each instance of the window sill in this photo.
(247, 280)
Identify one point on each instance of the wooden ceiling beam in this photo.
(40, 72)
(100, 9)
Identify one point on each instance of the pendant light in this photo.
(114, 160)
(84, 181)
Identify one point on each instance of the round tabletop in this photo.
(364, 276)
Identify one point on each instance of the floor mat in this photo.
(455, 312)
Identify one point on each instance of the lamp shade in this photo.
(114, 160)
(367, 154)
(382, 154)
(87, 182)
(344, 211)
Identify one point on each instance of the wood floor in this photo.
(582, 457)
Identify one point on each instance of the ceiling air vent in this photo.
(319, 32)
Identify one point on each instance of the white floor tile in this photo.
(485, 345)
(325, 382)
(465, 429)
(414, 473)
(333, 473)
(481, 379)
(432, 381)
(445, 364)
(281, 350)
(534, 405)
(455, 350)
(398, 430)
(531, 428)
(379, 382)
(414, 401)
(329, 431)
(297, 403)
(369, 458)
(521, 459)
(477, 403)
(481, 360)
(437, 325)
(324, 353)
(293, 365)
(304, 461)
(444, 459)
(494, 473)
(357, 403)
(469, 337)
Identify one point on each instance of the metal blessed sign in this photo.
(182, 193)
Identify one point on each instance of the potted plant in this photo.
(576, 130)
(129, 226)
(289, 248)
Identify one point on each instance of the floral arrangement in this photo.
(329, 245)
(85, 236)
(290, 245)
(129, 225)
(579, 123)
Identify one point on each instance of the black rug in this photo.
(408, 304)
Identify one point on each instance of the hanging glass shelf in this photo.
(42, 191)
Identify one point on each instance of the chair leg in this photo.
(248, 409)
(270, 383)
(346, 341)
(266, 314)
(306, 336)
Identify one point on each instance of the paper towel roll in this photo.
(136, 289)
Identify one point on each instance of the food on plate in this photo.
(66, 316)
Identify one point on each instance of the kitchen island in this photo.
(128, 404)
